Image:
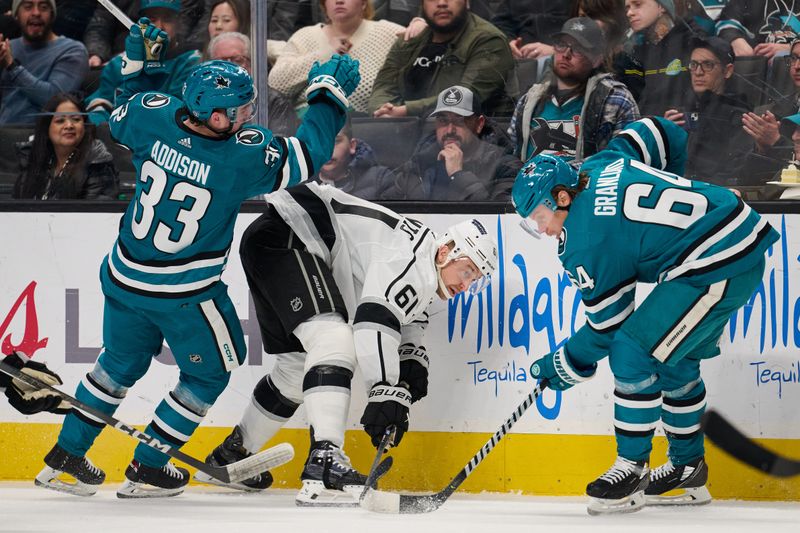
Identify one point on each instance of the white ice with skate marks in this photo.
(210, 509)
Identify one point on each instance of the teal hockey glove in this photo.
(334, 80)
(145, 48)
(559, 371)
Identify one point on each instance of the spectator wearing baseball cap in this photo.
(466, 157)
(37, 65)
(579, 106)
(105, 36)
(662, 47)
(712, 115)
(180, 60)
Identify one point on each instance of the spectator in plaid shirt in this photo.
(576, 110)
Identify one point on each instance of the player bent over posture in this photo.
(197, 162)
(316, 261)
(701, 245)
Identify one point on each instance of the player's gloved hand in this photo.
(559, 371)
(414, 370)
(145, 48)
(386, 406)
(30, 400)
(334, 80)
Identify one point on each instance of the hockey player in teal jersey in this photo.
(626, 218)
(197, 161)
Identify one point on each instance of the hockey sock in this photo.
(326, 389)
(81, 429)
(635, 418)
(267, 412)
(175, 419)
(681, 413)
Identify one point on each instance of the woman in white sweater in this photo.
(349, 30)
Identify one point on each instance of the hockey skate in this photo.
(620, 489)
(58, 461)
(688, 481)
(151, 482)
(329, 480)
(230, 451)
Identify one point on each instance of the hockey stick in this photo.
(117, 12)
(388, 437)
(389, 502)
(726, 436)
(249, 467)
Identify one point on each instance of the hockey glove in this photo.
(29, 400)
(386, 406)
(414, 370)
(559, 371)
(334, 80)
(145, 48)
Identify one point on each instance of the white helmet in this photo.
(470, 240)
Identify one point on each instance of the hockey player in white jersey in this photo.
(338, 280)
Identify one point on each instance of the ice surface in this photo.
(25, 508)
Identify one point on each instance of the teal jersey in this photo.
(634, 223)
(109, 93)
(175, 236)
(563, 122)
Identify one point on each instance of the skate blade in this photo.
(314, 494)
(48, 478)
(628, 504)
(202, 477)
(685, 496)
(132, 489)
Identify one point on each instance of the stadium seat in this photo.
(9, 165)
(392, 139)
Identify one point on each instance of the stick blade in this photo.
(260, 462)
(731, 440)
(420, 504)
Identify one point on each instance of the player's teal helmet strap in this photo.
(217, 85)
(655, 141)
(535, 181)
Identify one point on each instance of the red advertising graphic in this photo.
(30, 340)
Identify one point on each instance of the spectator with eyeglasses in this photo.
(711, 115)
(579, 106)
(764, 128)
(467, 156)
(235, 47)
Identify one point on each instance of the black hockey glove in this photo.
(386, 406)
(29, 400)
(414, 370)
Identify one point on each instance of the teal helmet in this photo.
(655, 141)
(217, 85)
(535, 181)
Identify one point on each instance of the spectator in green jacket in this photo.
(458, 47)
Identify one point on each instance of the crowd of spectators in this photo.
(479, 86)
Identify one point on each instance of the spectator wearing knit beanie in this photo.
(37, 65)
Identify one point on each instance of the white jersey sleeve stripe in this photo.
(599, 306)
(614, 320)
(299, 153)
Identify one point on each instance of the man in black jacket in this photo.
(712, 116)
(466, 158)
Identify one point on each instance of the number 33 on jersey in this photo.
(175, 235)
